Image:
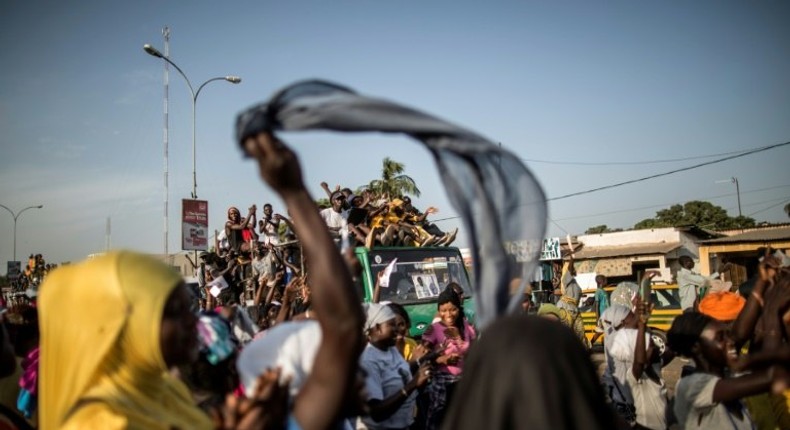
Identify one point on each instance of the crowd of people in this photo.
(364, 219)
(118, 341)
(733, 340)
(36, 269)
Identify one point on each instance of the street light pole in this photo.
(734, 180)
(232, 79)
(16, 216)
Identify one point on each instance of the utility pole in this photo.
(166, 34)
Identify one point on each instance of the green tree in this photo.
(393, 182)
(603, 228)
(323, 203)
(696, 212)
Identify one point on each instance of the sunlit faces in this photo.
(178, 338)
(234, 215)
(448, 313)
(338, 200)
(402, 328)
(715, 343)
(385, 334)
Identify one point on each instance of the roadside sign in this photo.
(551, 249)
(14, 270)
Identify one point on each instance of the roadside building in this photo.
(741, 249)
(626, 255)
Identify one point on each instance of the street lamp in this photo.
(232, 79)
(16, 216)
(734, 180)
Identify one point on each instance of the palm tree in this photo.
(393, 182)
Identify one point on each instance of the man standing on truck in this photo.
(335, 217)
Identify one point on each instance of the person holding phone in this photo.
(451, 338)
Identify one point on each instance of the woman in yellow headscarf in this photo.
(111, 328)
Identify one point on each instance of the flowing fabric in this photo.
(502, 206)
(101, 364)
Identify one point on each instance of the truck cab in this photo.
(418, 277)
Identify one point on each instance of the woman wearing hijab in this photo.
(639, 361)
(450, 338)
(389, 382)
(614, 319)
(514, 379)
(111, 327)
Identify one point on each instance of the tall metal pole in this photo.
(150, 50)
(16, 216)
(166, 34)
(738, 193)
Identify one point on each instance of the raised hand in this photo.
(266, 409)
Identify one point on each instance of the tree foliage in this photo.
(603, 228)
(696, 212)
(393, 182)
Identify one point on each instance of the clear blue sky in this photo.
(81, 104)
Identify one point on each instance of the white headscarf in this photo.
(377, 313)
(612, 317)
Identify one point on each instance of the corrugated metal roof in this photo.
(767, 235)
(621, 251)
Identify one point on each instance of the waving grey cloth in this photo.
(501, 204)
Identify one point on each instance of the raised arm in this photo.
(640, 350)
(325, 187)
(743, 327)
(318, 405)
(777, 301)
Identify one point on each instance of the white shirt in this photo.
(688, 286)
(388, 372)
(269, 235)
(334, 219)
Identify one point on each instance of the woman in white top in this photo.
(389, 381)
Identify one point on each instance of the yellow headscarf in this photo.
(100, 349)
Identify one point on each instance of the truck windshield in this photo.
(419, 275)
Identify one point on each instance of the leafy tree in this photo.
(393, 182)
(787, 209)
(603, 228)
(323, 203)
(695, 212)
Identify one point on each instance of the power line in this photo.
(664, 205)
(769, 207)
(707, 163)
(619, 163)
(669, 204)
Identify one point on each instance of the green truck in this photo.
(417, 278)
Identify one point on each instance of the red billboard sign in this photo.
(194, 225)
